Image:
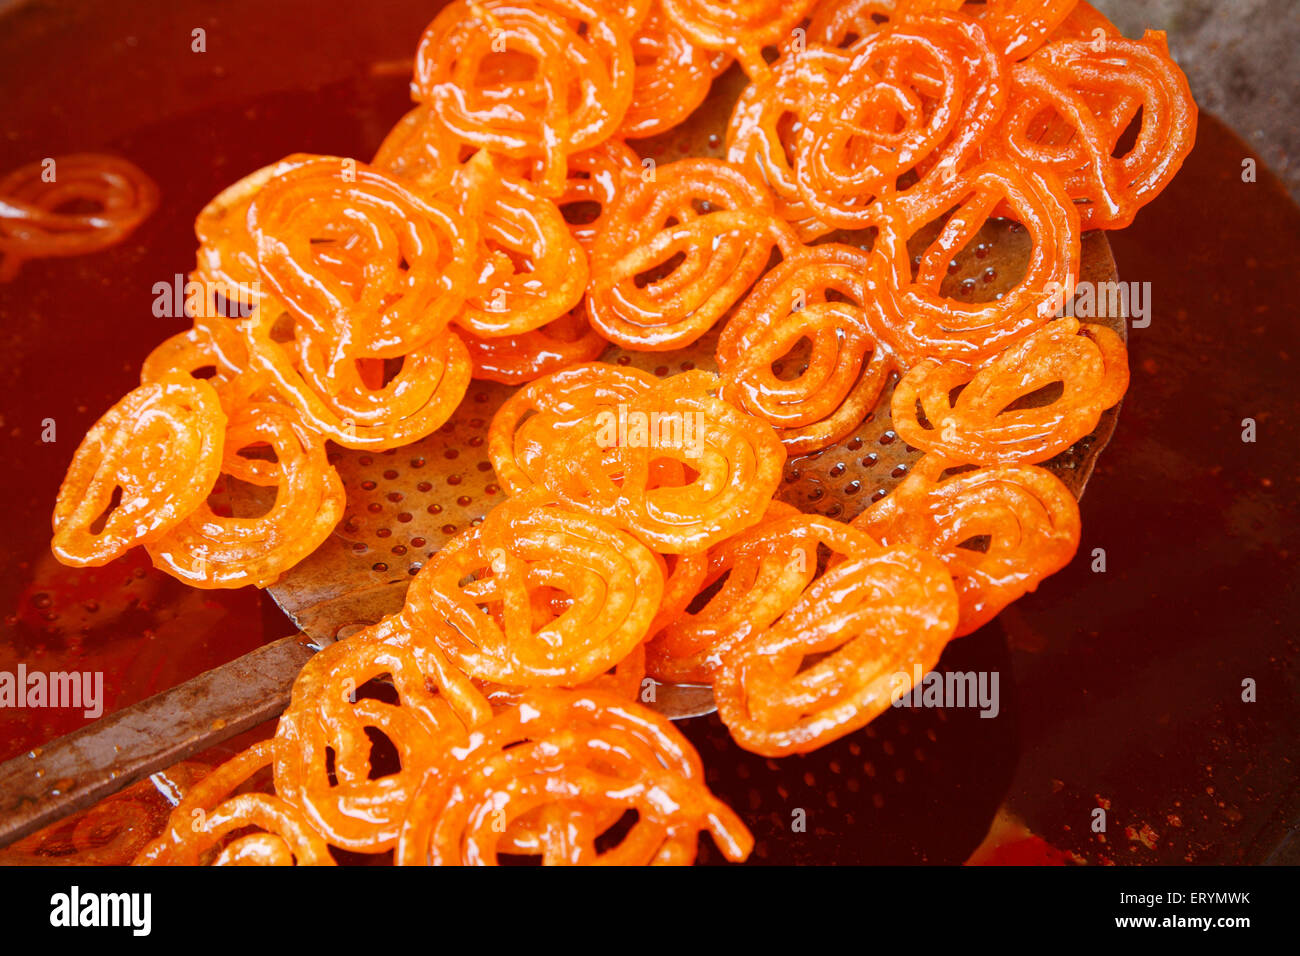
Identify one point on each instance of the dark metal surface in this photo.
(48, 783)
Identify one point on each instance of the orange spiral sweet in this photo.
(213, 344)
(677, 250)
(227, 254)
(676, 465)
(538, 595)
(146, 464)
(842, 372)
(505, 230)
(369, 267)
(35, 225)
(536, 80)
(211, 550)
(742, 28)
(1093, 87)
(767, 124)
(516, 359)
(567, 765)
(839, 23)
(673, 76)
(324, 763)
(987, 424)
(905, 306)
(210, 823)
(1016, 27)
(367, 403)
(596, 176)
(529, 268)
(763, 570)
(420, 150)
(916, 98)
(829, 664)
(999, 530)
(532, 420)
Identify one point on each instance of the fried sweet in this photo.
(369, 402)
(995, 419)
(210, 550)
(209, 824)
(1000, 530)
(538, 595)
(35, 224)
(915, 101)
(841, 372)
(362, 263)
(538, 80)
(906, 307)
(146, 464)
(1092, 90)
(565, 766)
(676, 465)
(742, 28)
(324, 744)
(534, 419)
(830, 663)
(677, 250)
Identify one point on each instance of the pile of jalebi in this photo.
(506, 230)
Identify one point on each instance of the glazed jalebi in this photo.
(1016, 27)
(211, 550)
(324, 746)
(149, 462)
(211, 344)
(227, 254)
(841, 372)
(365, 403)
(768, 124)
(839, 23)
(906, 307)
(673, 76)
(761, 572)
(365, 266)
(1093, 89)
(562, 764)
(516, 359)
(678, 466)
(1000, 530)
(995, 418)
(210, 823)
(538, 595)
(742, 28)
(537, 80)
(535, 418)
(530, 270)
(677, 250)
(112, 197)
(596, 176)
(829, 663)
(915, 99)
